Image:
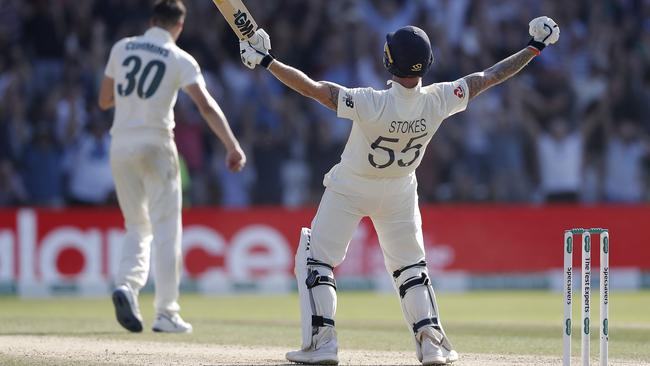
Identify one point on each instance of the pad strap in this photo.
(319, 321)
(315, 279)
(315, 262)
(426, 322)
(412, 282)
(421, 263)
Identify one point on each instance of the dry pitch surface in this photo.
(492, 328)
(69, 350)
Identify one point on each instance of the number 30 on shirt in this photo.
(134, 79)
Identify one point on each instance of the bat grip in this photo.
(254, 41)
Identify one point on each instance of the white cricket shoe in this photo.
(127, 310)
(430, 351)
(324, 350)
(171, 324)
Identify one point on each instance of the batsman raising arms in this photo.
(376, 178)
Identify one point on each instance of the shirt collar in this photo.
(400, 90)
(160, 34)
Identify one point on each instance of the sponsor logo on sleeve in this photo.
(349, 101)
(459, 92)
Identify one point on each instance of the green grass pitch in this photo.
(498, 322)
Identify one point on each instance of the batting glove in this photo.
(255, 51)
(261, 41)
(544, 31)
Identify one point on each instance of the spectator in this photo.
(43, 169)
(12, 190)
(560, 155)
(509, 180)
(15, 130)
(235, 188)
(43, 29)
(624, 161)
(91, 182)
(54, 53)
(71, 116)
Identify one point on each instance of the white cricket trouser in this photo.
(391, 204)
(147, 180)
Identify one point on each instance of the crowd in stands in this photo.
(574, 126)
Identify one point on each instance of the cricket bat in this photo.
(239, 18)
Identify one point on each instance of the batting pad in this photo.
(316, 290)
(419, 305)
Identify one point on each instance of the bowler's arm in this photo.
(212, 113)
(106, 94)
(324, 92)
(500, 72)
(216, 119)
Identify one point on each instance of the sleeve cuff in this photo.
(197, 79)
(465, 102)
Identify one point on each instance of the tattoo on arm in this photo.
(332, 101)
(503, 70)
(324, 92)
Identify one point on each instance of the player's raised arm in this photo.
(544, 32)
(324, 92)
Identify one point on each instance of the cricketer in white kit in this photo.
(142, 79)
(376, 178)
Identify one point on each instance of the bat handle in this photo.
(254, 41)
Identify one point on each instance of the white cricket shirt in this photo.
(560, 163)
(391, 128)
(148, 71)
